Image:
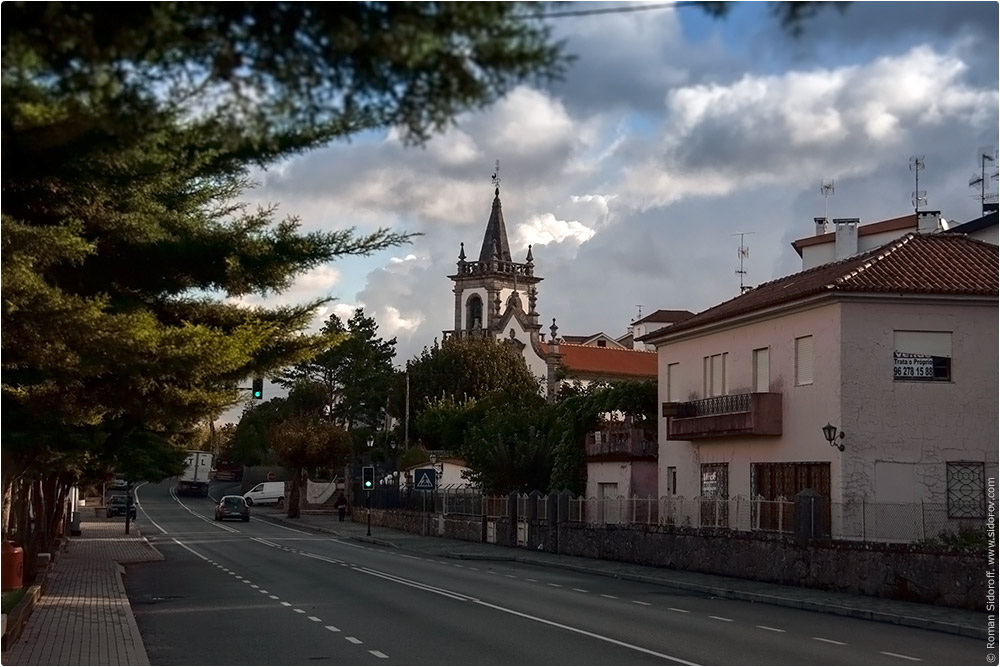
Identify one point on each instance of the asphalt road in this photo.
(263, 593)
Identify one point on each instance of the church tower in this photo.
(493, 288)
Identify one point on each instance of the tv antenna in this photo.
(919, 196)
(986, 155)
(826, 189)
(744, 253)
(639, 307)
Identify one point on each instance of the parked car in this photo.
(118, 505)
(232, 507)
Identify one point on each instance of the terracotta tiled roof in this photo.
(944, 263)
(609, 361)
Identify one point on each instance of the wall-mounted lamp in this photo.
(831, 433)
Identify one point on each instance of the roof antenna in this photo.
(986, 154)
(744, 253)
(496, 178)
(639, 307)
(919, 196)
(826, 189)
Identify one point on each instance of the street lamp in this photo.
(832, 433)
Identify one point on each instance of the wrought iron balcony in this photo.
(736, 414)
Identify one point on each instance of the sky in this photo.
(671, 134)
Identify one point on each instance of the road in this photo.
(265, 593)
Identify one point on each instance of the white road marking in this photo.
(274, 597)
(332, 628)
(644, 604)
(610, 597)
(378, 654)
(474, 568)
(899, 655)
(830, 641)
(315, 619)
(581, 590)
(299, 611)
(262, 591)
(253, 585)
(534, 581)
(286, 604)
(586, 633)
(278, 525)
(354, 640)
(510, 576)
(722, 618)
(682, 611)
(555, 585)
(765, 627)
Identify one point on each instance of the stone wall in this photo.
(880, 570)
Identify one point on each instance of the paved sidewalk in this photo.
(84, 616)
(944, 619)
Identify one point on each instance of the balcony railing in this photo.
(736, 414)
(620, 443)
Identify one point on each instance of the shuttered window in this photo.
(673, 382)
(804, 360)
(761, 369)
(715, 375)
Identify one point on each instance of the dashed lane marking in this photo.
(315, 619)
(680, 611)
(554, 585)
(299, 611)
(285, 604)
(610, 597)
(645, 604)
(332, 628)
(581, 590)
(900, 655)
(354, 640)
(830, 641)
(722, 618)
(378, 654)
(770, 629)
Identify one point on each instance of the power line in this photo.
(610, 10)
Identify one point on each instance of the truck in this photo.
(197, 473)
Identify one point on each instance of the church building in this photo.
(498, 296)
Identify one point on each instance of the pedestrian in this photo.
(341, 505)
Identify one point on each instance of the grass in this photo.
(11, 598)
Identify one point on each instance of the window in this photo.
(671, 480)
(673, 382)
(761, 369)
(602, 343)
(715, 375)
(966, 489)
(804, 360)
(474, 313)
(922, 356)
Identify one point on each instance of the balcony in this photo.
(619, 442)
(757, 414)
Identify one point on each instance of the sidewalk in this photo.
(84, 616)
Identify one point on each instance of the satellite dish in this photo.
(944, 225)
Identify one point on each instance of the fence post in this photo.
(512, 518)
(923, 521)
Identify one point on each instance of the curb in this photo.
(19, 615)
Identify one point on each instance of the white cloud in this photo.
(545, 228)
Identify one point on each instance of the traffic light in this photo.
(368, 478)
(258, 387)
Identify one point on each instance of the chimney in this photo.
(847, 237)
(928, 222)
(821, 227)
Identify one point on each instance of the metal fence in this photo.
(863, 520)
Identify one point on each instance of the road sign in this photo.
(425, 478)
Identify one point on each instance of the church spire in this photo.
(495, 239)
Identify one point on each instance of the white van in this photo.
(266, 493)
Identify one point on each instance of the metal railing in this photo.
(861, 520)
(717, 405)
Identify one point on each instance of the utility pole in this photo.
(406, 425)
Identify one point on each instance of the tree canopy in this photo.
(127, 240)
